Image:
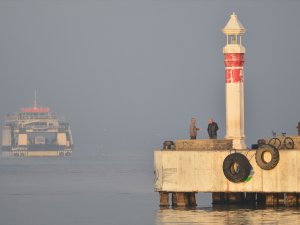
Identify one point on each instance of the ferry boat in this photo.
(36, 131)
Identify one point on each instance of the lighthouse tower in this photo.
(234, 79)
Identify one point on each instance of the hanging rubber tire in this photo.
(267, 157)
(236, 167)
(289, 143)
(275, 142)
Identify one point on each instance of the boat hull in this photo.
(39, 153)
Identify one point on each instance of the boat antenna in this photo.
(35, 100)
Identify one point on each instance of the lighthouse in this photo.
(234, 53)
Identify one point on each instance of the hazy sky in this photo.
(128, 75)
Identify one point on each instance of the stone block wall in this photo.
(203, 144)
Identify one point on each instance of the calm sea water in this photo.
(104, 190)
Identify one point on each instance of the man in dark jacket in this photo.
(212, 129)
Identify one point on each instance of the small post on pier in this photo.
(298, 199)
(271, 199)
(174, 199)
(235, 198)
(218, 197)
(164, 198)
(261, 198)
(192, 199)
(250, 198)
(291, 199)
(182, 199)
(280, 199)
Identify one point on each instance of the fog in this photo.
(128, 75)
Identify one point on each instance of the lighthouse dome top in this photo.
(234, 26)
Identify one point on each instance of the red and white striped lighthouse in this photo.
(234, 79)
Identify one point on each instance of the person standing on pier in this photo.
(193, 129)
(212, 129)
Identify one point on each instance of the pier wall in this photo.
(197, 166)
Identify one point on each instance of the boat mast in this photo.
(35, 100)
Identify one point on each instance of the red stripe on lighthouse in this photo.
(234, 76)
(234, 58)
(234, 63)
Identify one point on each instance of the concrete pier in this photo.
(196, 166)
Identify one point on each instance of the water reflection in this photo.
(224, 215)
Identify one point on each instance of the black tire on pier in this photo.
(263, 160)
(236, 167)
(261, 142)
(289, 143)
(275, 142)
(168, 144)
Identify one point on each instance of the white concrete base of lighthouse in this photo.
(235, 114)
(238, 143)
